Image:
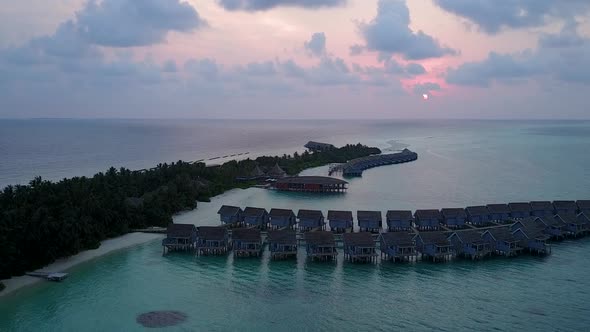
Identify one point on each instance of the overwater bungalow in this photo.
(398, 246)
(434, 246)
(369, 221)
(313, 184)
(502, 241)
(311, 219)
(565, 207)
(520, 210)
(584, 206)
(427, 220)
(498, 212)
(212, 240)
(320, 245)
(470, 244)
(246, 242)
(399, 220)
(477, 215)
(553, 227)
(282, 218)
(282, 243)
(340, 221)
(179, 237)
(276, 172)
(542, 209)
(230, 215)
(454, 217)
(532, 235)
(574, 226)
(253, 216)
(359, 247)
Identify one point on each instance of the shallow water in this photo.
(460, 163)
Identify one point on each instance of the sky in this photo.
(329, 59)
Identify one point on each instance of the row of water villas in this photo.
(400, 220)
(531, 235)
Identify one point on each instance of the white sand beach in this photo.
(106, 247)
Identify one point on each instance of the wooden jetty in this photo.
(246, 242)
(398, 246)
(212, 240)
(179, 237)
(359, 247)
(320, 245)
(282, 243)
(51, 276)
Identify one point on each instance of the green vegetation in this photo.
(44, 220)
(2, 286)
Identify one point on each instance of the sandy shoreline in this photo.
(106, 247)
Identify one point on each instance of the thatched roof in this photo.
(256, 172)
(212, 233)
(471, 236)
(362, 239)
(453, 213)
(520, 207)
(570, 205)
(398, 238)
(479, 210)
(369, 216)
(501, 234)
(541, 206)
(320, 238)
(583, 204)
(228, 210)
(180, 230)
(436, 238)
(428, 214)
(246, 234)
(276, 172)
(498, 208)
(254, 212)
(282, 237)
(281, 213)
(310, 214)
(399, 215)
(340, 215)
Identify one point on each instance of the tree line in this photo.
(43, 221)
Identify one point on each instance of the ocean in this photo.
(460, 163)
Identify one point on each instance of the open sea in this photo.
(461, 162)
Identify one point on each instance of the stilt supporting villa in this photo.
(369, 221)
(311, 219)
(320, 245)
(498, 212)
(179, 237)
(282, 218)
(282, 243)
(434, 246)
(502, 241)
(230, 215)
(212, 240)
(427, 220)
(469, 244)
(246, 242)
(359, 247)
(398, 246)
(477, 215)
(532, 236)
(399, 220)
(454, 218)
(255, 217)
(340, 221)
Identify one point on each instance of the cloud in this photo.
(426, 88)
(126, 23)
(257, 5)
(389, 33)
(563, 57)
(317, 44)
(492, 16)
(266, 68)
(356, 49)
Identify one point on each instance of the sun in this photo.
(425, 96)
